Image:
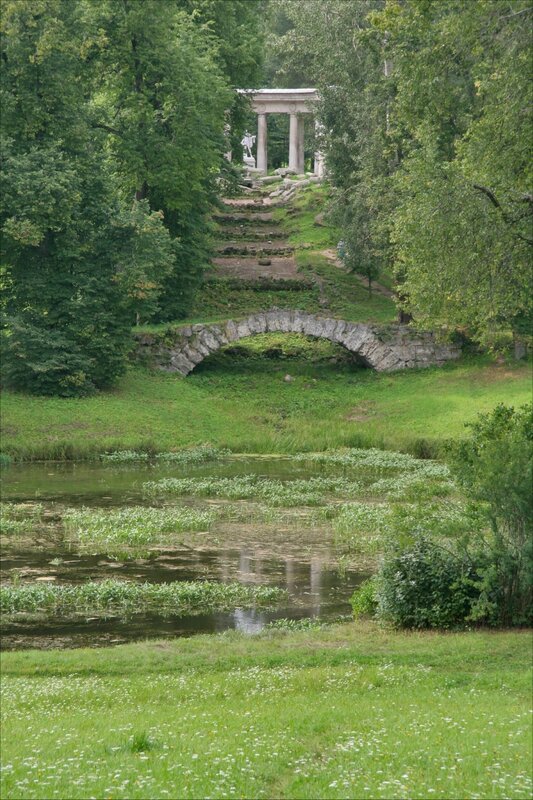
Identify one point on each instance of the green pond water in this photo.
(293, 554)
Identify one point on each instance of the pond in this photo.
(250, 540)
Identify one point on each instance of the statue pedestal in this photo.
(249, 161)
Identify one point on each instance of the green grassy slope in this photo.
(340, 294)
(349, 711)
(246, 404)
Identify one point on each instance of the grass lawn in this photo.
(246, 405)
(348, 711)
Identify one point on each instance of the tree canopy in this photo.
(427, 129)
(112, 143)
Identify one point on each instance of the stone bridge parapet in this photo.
(384, 348)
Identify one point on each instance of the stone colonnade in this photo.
(296, 103)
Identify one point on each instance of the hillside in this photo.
(272, 392)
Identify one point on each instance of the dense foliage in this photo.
(67, 329)
(438, 571)
(495, 468)
(112, 140)
(427, 132)
(161, 100)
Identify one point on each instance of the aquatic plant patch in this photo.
(195, 455)
(285, 624)
(105, 529)
(379, 461)
(18, 518)
(412, 486)
(311, 491)
(295, 516)
(125, 457)
(189, 455)
(126, 598)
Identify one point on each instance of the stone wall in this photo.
(383, 347)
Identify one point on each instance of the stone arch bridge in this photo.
(383, 347)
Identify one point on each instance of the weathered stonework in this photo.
(385, 348)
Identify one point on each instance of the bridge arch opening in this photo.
(282, 352)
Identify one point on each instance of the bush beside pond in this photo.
(434, 577)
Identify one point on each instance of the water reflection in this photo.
(298, 558)
(315, 588)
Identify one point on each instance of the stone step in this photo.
(250, 269)
(249, 233)
(238, 247)
(255, 218)
(238, 205)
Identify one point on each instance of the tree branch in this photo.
(508, 220)
(491, 197)
(107, 128)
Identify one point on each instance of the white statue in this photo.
(248, 142)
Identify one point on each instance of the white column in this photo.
(296, 143)
(301, 158)
(262, 153)
(293, 142)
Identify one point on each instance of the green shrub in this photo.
(363, 600)
(44, 362)
(425, 586)
(494, 466)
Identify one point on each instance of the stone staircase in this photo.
(252, 244)
(252, 248)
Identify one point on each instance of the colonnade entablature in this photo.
(296, 103)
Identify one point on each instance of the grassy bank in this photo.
(347, 711)
(245, 404)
